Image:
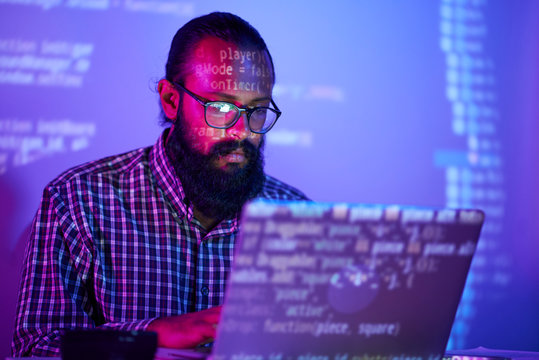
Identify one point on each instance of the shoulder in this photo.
(278, 190)
(107, 169)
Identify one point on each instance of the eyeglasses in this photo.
(223, 115)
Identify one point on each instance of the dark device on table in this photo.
(108, 345)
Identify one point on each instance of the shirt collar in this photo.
(167, 179)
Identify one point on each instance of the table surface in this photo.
(477, 353)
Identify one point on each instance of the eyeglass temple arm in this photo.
(190, 93)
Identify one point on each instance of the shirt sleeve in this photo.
(56, 277)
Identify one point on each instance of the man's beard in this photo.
(216, 193)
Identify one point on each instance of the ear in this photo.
(170, 98)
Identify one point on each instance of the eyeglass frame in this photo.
(248, 111)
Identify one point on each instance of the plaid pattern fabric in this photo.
(114, 244)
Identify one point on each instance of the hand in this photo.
(188, 330)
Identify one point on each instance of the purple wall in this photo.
(413, 102)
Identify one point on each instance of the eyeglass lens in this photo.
(222, 114)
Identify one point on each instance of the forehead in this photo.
(218, 66)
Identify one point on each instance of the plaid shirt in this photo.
(114, 244)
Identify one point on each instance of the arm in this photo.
(54, 294)
(54, 287)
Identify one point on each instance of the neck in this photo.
(208, 223)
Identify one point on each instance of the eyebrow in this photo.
(232, 97)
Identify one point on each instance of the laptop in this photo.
(335, 281)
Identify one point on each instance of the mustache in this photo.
(226, 147)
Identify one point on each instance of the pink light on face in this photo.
(222, 71)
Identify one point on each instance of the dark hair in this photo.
(225, 26)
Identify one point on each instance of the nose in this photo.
(240, 131)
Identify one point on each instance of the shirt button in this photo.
(204, 290)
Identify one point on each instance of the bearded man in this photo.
(145, 240)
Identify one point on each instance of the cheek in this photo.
(255, 139)
(200, 136)
(204, 137)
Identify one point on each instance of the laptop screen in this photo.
(345, 281)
